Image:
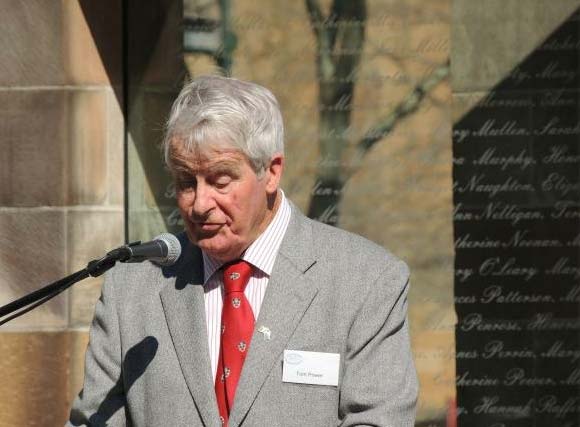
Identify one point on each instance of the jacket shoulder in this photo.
(134, 279)
(337, 243)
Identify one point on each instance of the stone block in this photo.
(487, 49)
(92, 40)
(78, 341)
(82, 300)
(35, 371)
(54, 43)
(87, 147)
(53, 146)
(31, 43)
(32, 249)
(32, 149)
(91, 234)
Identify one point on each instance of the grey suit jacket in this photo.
(330, 291)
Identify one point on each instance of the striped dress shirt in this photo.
(261, 254)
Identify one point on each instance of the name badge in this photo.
(310, 367)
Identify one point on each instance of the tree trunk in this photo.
(340, 39)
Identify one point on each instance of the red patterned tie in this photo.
(237, 329)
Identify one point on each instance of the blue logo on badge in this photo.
(293, 359)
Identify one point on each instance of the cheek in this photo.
(235, 210)
(239, 209)
(183, 204)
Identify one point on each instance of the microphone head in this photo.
(173, 249)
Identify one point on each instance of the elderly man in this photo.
(268, 318)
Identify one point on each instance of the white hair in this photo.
(214, 111)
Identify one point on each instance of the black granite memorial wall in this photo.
(517, 241)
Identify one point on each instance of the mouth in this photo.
(207, 226)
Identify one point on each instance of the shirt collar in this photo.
(263, 251)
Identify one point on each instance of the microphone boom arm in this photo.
(94, 268)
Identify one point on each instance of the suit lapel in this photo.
(183, 304)
(287, 298)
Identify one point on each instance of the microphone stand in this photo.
(94, 268)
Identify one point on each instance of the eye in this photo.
(186, 183)
(222, 181)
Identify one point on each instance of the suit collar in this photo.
(182, 299)
(298, 246)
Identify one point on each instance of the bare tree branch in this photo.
(340, 40)
(407, 106)
(326, 66)
(343, 15)
(350, 20)
(315, 15)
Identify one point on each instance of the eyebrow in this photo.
(223, 166)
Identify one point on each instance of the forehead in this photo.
(199, 161)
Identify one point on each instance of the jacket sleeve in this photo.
(102, 402)
(379, 385)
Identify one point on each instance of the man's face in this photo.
(224, 204)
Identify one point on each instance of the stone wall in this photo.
(61, 190)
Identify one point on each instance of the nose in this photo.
(203, 201)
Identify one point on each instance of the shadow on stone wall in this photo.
(152, 74)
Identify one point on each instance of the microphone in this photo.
(164, 250)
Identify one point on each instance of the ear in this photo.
(273, 173)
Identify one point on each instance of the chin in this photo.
(219, 252)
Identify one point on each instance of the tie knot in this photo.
(236, 276)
